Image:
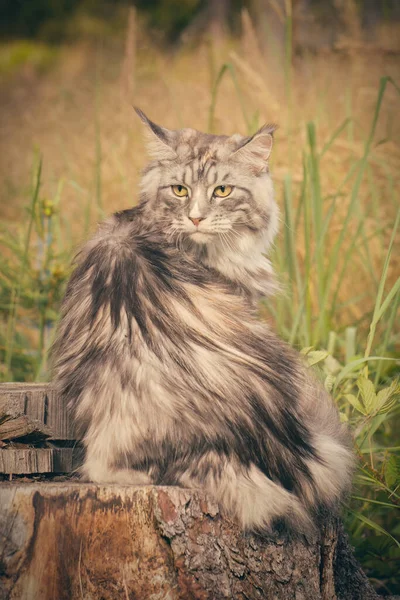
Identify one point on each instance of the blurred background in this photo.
(328, 72)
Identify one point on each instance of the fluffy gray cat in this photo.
(172, 378)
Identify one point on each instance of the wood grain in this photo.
(25, 461)
(76, 541)
(38, 402)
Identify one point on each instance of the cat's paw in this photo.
(100, 474)
(130, 477)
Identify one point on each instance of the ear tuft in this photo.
(268, 128)
(160, 141)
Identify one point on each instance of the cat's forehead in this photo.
(202, 157)
(192, 144)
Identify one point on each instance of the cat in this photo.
(171, 376)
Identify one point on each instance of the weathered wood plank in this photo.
(24, 461)
(39, 402)
(22, 426)
(76, 541)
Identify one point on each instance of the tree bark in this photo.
(70, 540)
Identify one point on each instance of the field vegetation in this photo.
(71, 152)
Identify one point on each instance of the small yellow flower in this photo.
(48, 208)
(58, 274)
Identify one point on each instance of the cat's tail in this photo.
(245, 492)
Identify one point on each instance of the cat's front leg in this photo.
(101, 465)
(98, 472)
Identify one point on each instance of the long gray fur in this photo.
(159, 353)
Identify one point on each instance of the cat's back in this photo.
(123, 231)
(126, 252)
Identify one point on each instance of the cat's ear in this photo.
(256, 150)
(160, 141)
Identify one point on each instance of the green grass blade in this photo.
(334, 136)
(378, 312)
(226, 68)
(372, 525)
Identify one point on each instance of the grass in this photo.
(24, 54)
(336, 175)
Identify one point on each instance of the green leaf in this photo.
(307, 350)
(329, 382)
(316, 356)
(356, 403)
(388, 397)
(367, 390)
(392, 471)
(355, 365)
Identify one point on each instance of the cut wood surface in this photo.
(67, 541)
(39, 403)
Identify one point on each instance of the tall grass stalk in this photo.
(230, 69)
(16, 292)
(381, 306)
(99, 157)
(288, 72)
(315, 288)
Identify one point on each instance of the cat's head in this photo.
(210, 190)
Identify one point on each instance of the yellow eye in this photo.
(222, 191)
(180, 190)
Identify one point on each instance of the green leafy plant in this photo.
(33, 271)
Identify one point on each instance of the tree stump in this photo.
(72, 540)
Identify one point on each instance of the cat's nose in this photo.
(196, 221)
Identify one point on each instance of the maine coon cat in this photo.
(172, 378)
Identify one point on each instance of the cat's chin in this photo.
(199, 237)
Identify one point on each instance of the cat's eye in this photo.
(180, 190)
(222, 191)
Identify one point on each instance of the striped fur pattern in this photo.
(172, 378)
